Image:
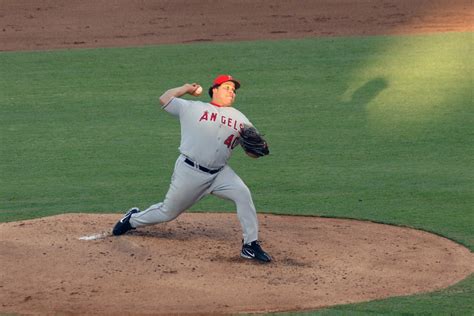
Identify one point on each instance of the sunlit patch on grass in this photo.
(415, 82)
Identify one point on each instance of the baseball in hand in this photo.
(197, 92)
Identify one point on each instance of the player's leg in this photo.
(229, 185)
(187, 187)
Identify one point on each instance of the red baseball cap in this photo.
(220, 80)
(224, 78)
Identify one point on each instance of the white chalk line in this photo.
(94, 237)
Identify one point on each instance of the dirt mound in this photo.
(69, 264)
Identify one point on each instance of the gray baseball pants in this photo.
(189, 185)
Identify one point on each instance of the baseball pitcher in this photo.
(209, 134)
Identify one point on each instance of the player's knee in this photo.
(243, 194)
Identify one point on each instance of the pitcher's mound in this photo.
(69, 264)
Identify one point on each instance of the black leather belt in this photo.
(193, 164)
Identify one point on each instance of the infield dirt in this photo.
(50, 24)
(192, 265)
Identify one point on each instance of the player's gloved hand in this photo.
(253, 142)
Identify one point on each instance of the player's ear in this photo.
(211, 91)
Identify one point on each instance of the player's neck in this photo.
(220, 105)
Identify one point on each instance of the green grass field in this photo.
(375, 128)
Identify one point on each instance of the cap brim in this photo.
(237, 84)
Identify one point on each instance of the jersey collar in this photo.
(215, 104)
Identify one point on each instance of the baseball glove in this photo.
(253, 142)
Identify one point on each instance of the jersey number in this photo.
(230, 142)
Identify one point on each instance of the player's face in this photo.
(224, 95)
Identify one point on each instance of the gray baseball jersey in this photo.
(209, 134)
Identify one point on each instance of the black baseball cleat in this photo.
(255, 252)
(123, 225)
